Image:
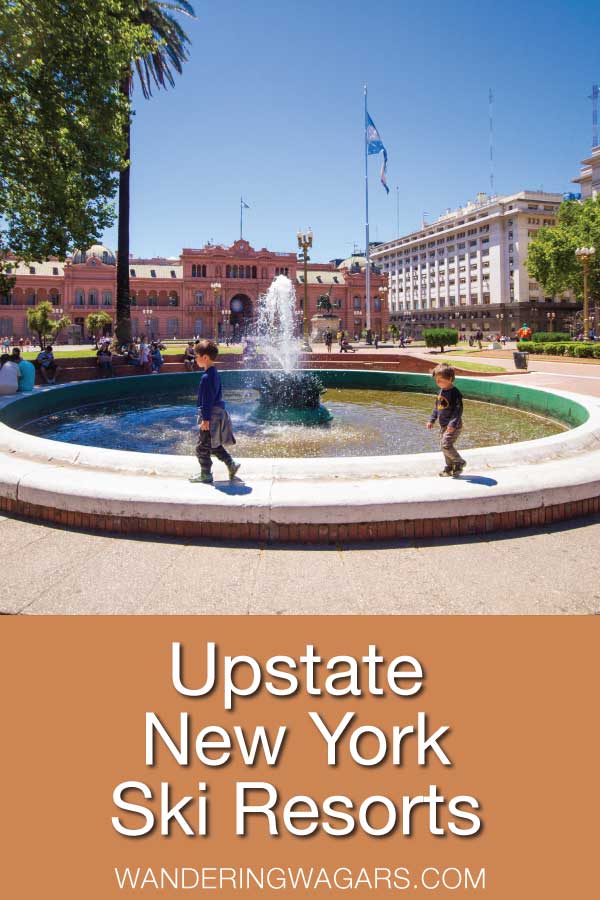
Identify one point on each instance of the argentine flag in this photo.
(375, 145)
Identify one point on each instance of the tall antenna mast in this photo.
(491, 104)
(594, 98)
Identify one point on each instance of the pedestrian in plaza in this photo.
(479, 338)
(214, 420)
(328, 340)
(448, 412)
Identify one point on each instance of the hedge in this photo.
(576, 349)
(440, 337)
(544, 337)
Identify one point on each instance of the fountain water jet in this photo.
(286, 393)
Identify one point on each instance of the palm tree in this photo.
(154, 70)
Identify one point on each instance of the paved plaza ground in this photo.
(555, 570)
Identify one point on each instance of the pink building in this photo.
(208, 291)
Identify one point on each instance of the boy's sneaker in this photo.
(202, 478)
(458, 470)
(233, 469)
(448, 472)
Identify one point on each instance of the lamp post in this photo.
(147, 314)
(305, 240)
(585, 255)
(551, 317)
(216, 289)
(226, 314)
(383, 290)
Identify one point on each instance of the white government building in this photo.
(589, 177)
(467, 269)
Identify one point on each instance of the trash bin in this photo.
(520, 359)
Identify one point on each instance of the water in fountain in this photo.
(276, 325)
(285, 392)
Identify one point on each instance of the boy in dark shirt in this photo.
(448, 412)
(213, 419)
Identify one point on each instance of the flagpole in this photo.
(368, 262)
(241, 218)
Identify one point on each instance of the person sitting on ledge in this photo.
(9, 375)
(346, 346)
(132, 356)
(156, 359)
(104, 361)
(46, 365)
(189, 356)
(26, 371)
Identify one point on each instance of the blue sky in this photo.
(271, 106)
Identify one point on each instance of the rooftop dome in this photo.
(96, 251)
(355, 262)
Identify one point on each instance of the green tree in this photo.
(440, 337)
(551, 256)
(40, 321)
(154, 69)
(96, 323)
(62, 119)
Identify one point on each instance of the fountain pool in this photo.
(371, 422)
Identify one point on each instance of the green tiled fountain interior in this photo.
(42, 403)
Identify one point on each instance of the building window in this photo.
(133, 299)
(172, 327)
(198, 327)
(6, 328)
(173, 299)
(79, 297)
(152, 273)
(254, 271)
(32, 270)
(107, 298)
(93, 298)
(356, 302)
(199, 298)
(132, 273)
(152, 300)
(173, 273)
(54, 270)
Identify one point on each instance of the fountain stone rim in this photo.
(64, 482)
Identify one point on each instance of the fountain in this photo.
(286, 393)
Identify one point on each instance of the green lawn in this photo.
(470, 366)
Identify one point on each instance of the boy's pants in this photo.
(204, 450)
(447, 441)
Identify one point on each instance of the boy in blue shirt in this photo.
(213, 418)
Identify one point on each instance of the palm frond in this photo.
(156, 68)
(186, 9)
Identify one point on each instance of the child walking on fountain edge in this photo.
(448, 412)
(213, 418)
